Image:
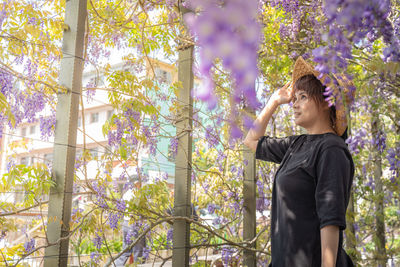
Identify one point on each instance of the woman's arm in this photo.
(260, 125)
(329, 245)
(281, 96)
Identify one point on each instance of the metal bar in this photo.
(65, 134)
(183, 160)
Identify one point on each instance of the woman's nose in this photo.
(295, 104)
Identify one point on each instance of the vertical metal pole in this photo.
(65, 135)
(249, 205)
(183, 161)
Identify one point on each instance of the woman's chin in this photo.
(298, 123)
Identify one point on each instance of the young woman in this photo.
(312, 185)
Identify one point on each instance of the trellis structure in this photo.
(183, 159)
(65, 141)
(60, 201)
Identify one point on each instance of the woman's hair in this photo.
(315, 89)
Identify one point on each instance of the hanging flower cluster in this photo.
(228, 31)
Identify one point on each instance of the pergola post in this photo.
(183, 160)
(249, 205)
(60, 201)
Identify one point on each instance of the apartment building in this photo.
(24, 145)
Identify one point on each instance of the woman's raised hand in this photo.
(283, 95)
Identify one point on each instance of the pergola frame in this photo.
(60, 201)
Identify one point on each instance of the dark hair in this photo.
(315, 89)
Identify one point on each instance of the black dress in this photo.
(311, 190)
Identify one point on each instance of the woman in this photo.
(312, 185)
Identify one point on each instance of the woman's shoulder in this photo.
(333, 142)
(334, 147)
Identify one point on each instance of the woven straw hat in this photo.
(302, 68)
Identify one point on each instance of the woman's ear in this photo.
(324, 105)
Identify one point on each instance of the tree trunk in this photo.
(379, 235)
(351, 242)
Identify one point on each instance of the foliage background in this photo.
(30, 47)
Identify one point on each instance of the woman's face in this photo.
(306, 110)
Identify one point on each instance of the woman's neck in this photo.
(320, 129)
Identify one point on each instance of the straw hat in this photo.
(302, 68)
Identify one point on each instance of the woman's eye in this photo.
(303, 97)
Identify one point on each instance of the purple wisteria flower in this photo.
(100, 191)
(29, 245)
(206, 187)
(24, 105)
(174, 146)
(97, 241)
(114, 137)
(236, 133)
(357, 140)
(146, 252)
(6, 82)
(6, 88)
(113, 219)
(151, 140)
(370, 183)
(132, 116)
(379, 141)
(130, 236)
(90, 93)
(217, 221)
(227, 254)
(47, 126)
(211, 208)
(236, 208)
(262, 202)
(10, 163)
(120, 205)
(355, 21)
(221, 31)
(95, 257)
(169, 238)
(96, 49)
(211, 136)
(393, 157)
(3, 14)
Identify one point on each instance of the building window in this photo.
(163, 75)
(23, 131)
(109, 113)
(32, 129)
(94, 152)
(25, 161)
(94, 117)
(48, 158)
